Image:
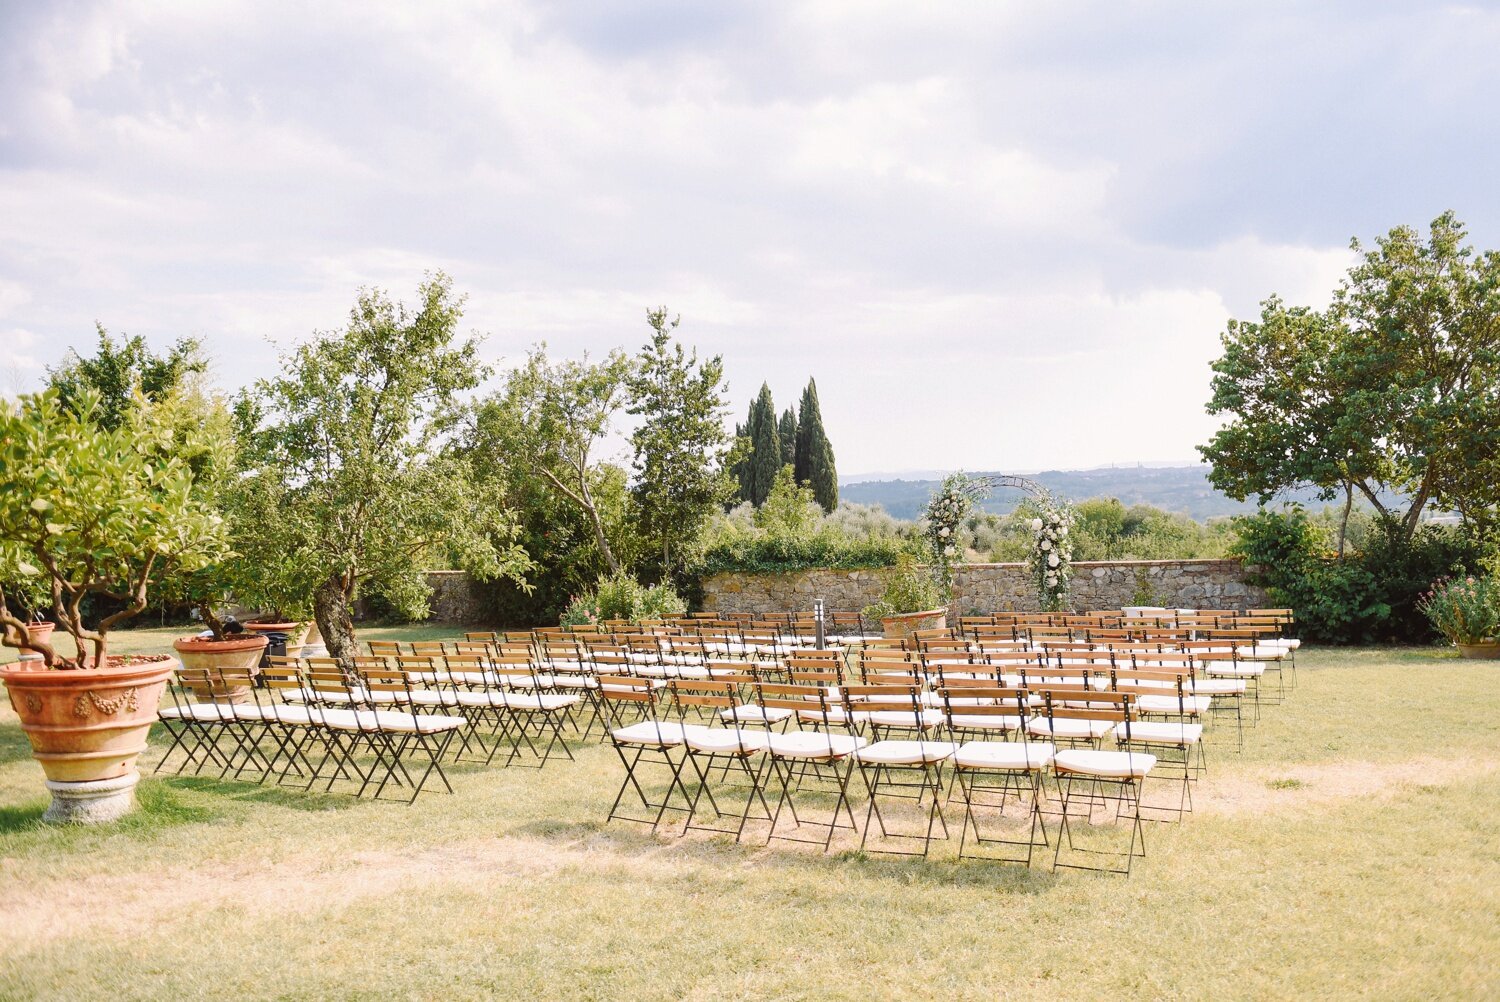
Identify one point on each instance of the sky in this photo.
(1000, 235)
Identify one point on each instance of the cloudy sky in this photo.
(1001, 235)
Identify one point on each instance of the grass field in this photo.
(1352, 850)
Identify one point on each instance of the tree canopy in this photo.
(680, 443)
(119, 369)
(352, 431)
(1391, 391)
(552, 418)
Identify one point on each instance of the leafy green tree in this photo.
(680, 444)
(353, 429)
(815, 465)
(790, 513)
(550, 419)
(1392, 390)
(786, 433)
(765, 447)
(560, 541)
(95, 511)
(200, 434)
(118, 369)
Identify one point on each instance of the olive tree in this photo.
(1390, 394)
(347, 445)
(96, 512)
(553, 418)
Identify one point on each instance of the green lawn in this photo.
(1352, 850)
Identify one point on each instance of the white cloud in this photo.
(999, 235)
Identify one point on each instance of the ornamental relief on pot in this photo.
(33, 702)
(109, 707)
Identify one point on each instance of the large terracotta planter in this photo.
(39, 631)
(87, 725)
(1487, 651)
(298, 635)
(903, 625)
(237, 654)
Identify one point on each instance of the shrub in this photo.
(1371, 595)
(1464, 610)
(621, 596)
(911, 588)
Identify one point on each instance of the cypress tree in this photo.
(765, 447)
(787, 433)
(814, 465)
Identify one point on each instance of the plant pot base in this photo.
(96, 802)
(1480, 652)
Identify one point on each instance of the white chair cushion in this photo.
(383, 720)
(1004, 755)
(544, 701)
(1235, 669)
(906, 752)
(727, 740)
(905, 718)
(978, 722)
(1160, 732)
(654, 733)
(750, 713)
(1107, 764)
(200, 712)
(1216, 686)
(1171, 704)
(810, 744)
(1068, 727)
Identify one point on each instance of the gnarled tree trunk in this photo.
(335, 619)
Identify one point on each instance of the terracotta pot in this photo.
(40, 631)
(297, 634)
(903, 625)
(234, 654)
(1487, 651)
(87, 725)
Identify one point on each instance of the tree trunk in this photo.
(1344, 522)
(331, 610)
(598, 524)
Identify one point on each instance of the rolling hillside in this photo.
(1182, 489)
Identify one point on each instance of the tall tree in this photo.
(786, 432)
(765, 447)
(815, 465)
(353, 429)
(553, 417)
(680, 444)
(1392, 391)
(117, 369)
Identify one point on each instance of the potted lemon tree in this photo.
(911, 601)
(96, 515)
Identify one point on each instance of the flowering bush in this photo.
(1465, 610)
(948, 508)
(1051, 556)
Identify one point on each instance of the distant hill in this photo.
(1183, 489)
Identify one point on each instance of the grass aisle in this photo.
(1351, 851)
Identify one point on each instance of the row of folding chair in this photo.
(295, 727)
(898, 744)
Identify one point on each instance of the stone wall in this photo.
(980, 588)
